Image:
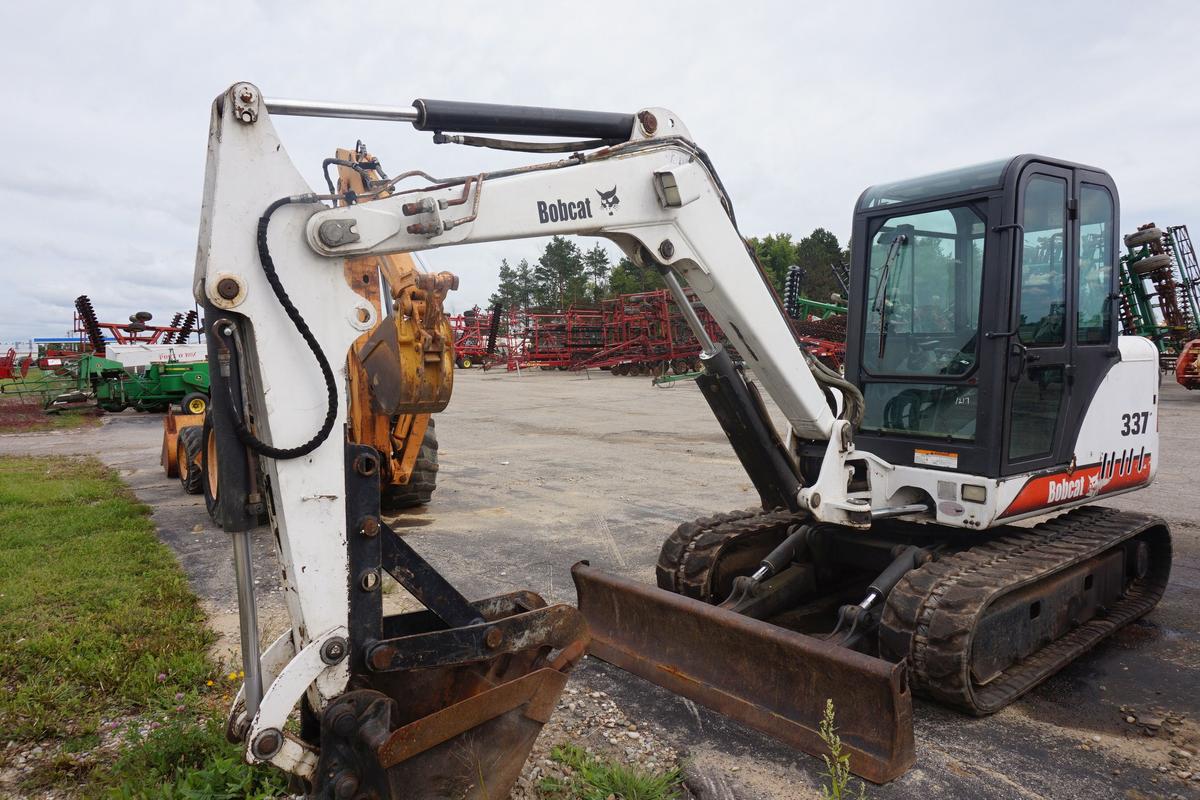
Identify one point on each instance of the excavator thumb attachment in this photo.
(769, 678)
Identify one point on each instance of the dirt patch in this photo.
(26, 416)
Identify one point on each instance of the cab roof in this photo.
(990, 175)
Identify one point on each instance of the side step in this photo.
(766, 677)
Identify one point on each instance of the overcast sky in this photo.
(800, 105)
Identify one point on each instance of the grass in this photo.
(101, 631)
(592, 778)
(189, 760)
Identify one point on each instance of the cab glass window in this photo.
(1094, 318)
(946, 412)
(923, 294)
(1043, 300)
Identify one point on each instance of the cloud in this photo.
(801, 106)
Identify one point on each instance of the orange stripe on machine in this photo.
(1117, 471)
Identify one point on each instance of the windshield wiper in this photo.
(880, 308)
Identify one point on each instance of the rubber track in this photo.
(931, 614)
(689, 555)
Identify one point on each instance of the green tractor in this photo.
(153, 388)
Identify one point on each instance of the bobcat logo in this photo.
(609, 200)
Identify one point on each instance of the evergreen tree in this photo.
(816, 253)
(597, 267)
(629, 278)
(564, 275)
(516, 289)
(559, 277)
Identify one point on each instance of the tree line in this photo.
(566, 275)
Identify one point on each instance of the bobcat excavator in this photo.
(985, 384)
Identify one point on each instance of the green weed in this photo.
(837, 763)
(592, 778)
(189, 761)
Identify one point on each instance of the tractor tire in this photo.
(465, 362)
(208, 468)
(1144, 266)
(419, 489)
(194, 403)
(1143, 237)
(191, 472)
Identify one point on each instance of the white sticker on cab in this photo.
(936, 458)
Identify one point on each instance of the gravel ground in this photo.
(544, 469)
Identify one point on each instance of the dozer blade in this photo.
(767, 677)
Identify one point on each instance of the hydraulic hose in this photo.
(243, 431)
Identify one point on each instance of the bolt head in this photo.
(268, 743)
(333, 651)
(247, 116)
(227, 288)
(381, 657)
(667, 248)
(493, 638)
(346, 786)
(370, 526)
(649, 122)
(344, 722)
(247, 96)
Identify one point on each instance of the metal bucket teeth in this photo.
(766, 677)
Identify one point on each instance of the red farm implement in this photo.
(563, 339)
(92, 332)
(645, 334)
(476, 335)
(633, 334)
(14, 366)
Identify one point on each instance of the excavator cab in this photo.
(982, 321)
(982, 338)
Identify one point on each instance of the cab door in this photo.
(1040, 362)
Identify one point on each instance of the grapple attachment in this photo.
(769, 678)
